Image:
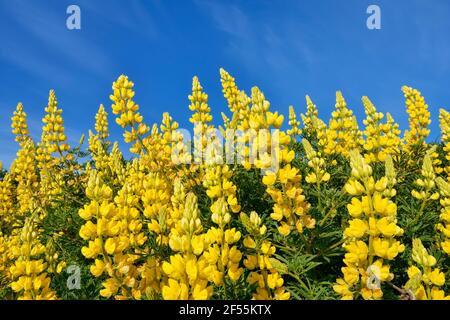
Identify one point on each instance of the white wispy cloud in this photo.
(257, 44)
(132, 15)
(47, 26)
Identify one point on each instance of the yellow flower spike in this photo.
(29, 274)
(24, 171)
(287, 193)
(199, 104)
(424, 280)
(426, 186)
(238, 102)
(128, 115)
(19, 125)
(114, 231)
(294, 123)
(382, 139)
(190, 269)
(317, 164)
(373, 221)
(313, 126)
(343, 133)
(53, 137)
(444, 123)
(101, 123)
(444, 188)
(259, 259)
(223, 194)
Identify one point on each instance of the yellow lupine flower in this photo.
(373, 221)
(189, 269)
(444, 123)
(6, 200)
(419, 117)
(342, 132)
(313, 127)
(29, 271)
(317, 163)
(258, 259)
(24, 170)
(425, 281)
(444, 225)
(294, 123)
(387, 249)
(19, 125)
(356, 229)
(127, 111)
(381, 138)
(53, 136)
(101, 123)
(238, 102)
(147, 236)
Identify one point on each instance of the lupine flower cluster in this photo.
(250, 206)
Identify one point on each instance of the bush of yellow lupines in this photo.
(254, 208)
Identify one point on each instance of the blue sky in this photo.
(287, 48)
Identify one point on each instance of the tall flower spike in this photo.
(53, 129)
(128, 115)
(25, 173)
(295, 130)
(238, 101)
(188, 270)
(29, 271)
(112, 230)
(444, 225)
(201, 118)
(444, 122)
(199, 105)
(310, 117)
(19, 125)
(342, 134)
(223, 254)
(316, 163)
(426, 187)
(425, 282)
(6, 200)
(392, 134)
(101, 123)
(419, 117)
(380, 140)
(370, 236)
(261, 262)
